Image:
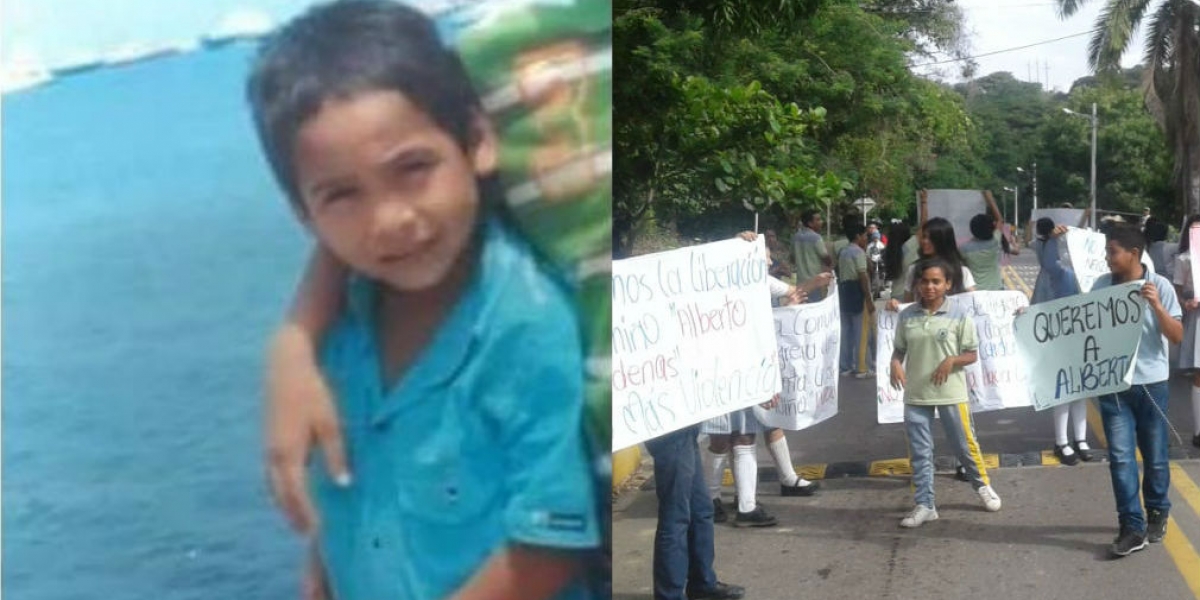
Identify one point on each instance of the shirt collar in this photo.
(446, 354)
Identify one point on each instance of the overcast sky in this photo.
(1000, 24)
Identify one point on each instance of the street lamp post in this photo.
(1095, 125)
(1016, 190)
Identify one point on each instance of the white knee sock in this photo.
(783, 461)
(1079, 421)
(714, 471)
(1196, 409)
(1061, 413)
(745, 476)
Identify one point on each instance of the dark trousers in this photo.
(683, 542)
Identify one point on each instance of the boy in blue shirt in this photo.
(1136, 418)
(455, 359)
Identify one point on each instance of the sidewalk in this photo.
(1049, 542)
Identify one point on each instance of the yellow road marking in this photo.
(811, 472)
(1048, 458)
(1018, 279)
(895, 466)
(1181, 550)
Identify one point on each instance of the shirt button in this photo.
(376, 543)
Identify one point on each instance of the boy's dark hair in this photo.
(1127, 237)
(853, 230)
(933, 262)
(1045, 226)
(983, 226)
(346, 47)
(806, 217)
(893, 253)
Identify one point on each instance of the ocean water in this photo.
(147, 254)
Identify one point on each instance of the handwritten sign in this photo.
(889, 406)
(1086, 251)
(1193, 234)
(692, 338)
(809, 341)
(1081, 346)
(997, 380)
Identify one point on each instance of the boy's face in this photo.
(1119, 259)
(389, 192)
(933, 285)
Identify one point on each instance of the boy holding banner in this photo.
(1136, 418)
(937, 336)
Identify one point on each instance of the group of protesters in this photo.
(935, 339)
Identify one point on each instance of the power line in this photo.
(1041, 43)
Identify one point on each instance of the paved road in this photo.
(1048, 542)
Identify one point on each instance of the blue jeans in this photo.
(683, 542)
(1132, 422)
(960, 433)
(851, 335)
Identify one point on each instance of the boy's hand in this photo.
(300, 410)
(870, 305)
(942, 373)
(892, 305)
(315, 586)
(898, 380)
(1192, 304)
(1150, 293)
(772, 403)
(749, 236)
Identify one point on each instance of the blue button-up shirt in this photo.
(479, 445)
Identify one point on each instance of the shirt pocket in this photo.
(445, 481)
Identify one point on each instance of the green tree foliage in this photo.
(1172, 58)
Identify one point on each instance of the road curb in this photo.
(942, 464)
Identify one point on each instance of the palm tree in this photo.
(1172, 82)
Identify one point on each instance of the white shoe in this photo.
(918, 516)
(991, 501)
(867, 375)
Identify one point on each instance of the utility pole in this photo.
(1047, 67)
(1035, 186)
(1095, 122)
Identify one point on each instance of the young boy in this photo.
(854, 296)
(938, 339)
(1136, 418)
(455, 359)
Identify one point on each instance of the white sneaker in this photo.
(991, 501)
(867, 375)
(918, 516)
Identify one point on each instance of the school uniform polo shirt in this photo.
(810, 252)
(927, 338)
(477, 447)
(1152, 364)
(983, 258)
(852, 262)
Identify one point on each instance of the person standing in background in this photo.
(808, 247)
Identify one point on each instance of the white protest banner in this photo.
(889, 404)
(1086, 250)
(1193, 234)
(1081, 346)
(998, 379)
(995, 381)
(692, 337)
(809, 339)
(956, 206)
